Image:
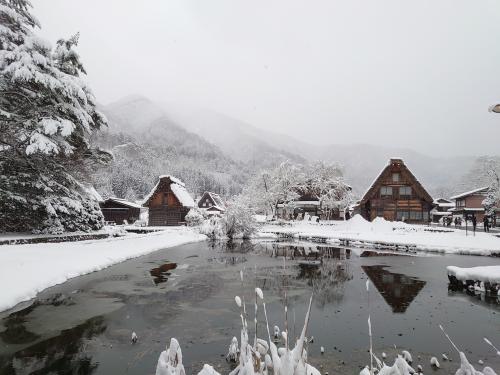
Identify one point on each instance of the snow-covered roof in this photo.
(305, 203)
(215, 198)
(466, 209)
(442, 202)
(124, 202)
(467, 193)
(178, 188)
(173, 179)
(182, 194)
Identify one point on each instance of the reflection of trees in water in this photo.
(63, 354)
(327, 280)
(15, 330)
(232, 246)
(230, 251)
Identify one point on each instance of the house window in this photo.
(386, 191)
(460, 203)
(395, 177)
(425, 215)
(404, 192)
(402, 215)
(380, 212)
(415, 215)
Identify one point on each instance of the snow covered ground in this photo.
(420, 237)
(26, 270)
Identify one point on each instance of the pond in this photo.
(84, 326)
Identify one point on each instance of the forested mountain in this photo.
(147, 143)
(164, 148)
(212, 151)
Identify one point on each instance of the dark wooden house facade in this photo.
(168, 202)
(120, 211)
(396, 195)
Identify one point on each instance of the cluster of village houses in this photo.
(395, 195)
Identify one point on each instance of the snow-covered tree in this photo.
(194, 217)
(47, 113)
(238, 220)
(278, 186)
(325, 182)
(492, 201)
(287, 182)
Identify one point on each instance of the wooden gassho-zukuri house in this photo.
(168, 202)
(396, 195)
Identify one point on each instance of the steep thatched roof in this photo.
(396, 163)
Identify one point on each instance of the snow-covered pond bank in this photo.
(29, 269)
(188, 292)
(358, 232)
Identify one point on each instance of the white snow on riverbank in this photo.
(26, 270)
(424, 238)
(489, 274)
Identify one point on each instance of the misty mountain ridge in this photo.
(236, 145)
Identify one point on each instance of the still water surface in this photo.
(84, 326)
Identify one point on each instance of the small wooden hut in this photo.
(212, 203)
(396, 194)
(168, 202)
(120, 211)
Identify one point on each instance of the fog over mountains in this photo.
(212, 151)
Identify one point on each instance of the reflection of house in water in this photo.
(160, 274)
(306, 251)
(398, 290)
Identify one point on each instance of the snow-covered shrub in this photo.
(239, 220)
(194, 217)
(213, 228)
(47, 115)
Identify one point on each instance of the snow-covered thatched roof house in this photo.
(212, 203)
(168, 202)
(396, 194)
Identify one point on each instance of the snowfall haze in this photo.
(331, 72)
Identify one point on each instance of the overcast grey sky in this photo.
(419, 74)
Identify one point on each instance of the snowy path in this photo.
(26, 270)
(383, 232)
